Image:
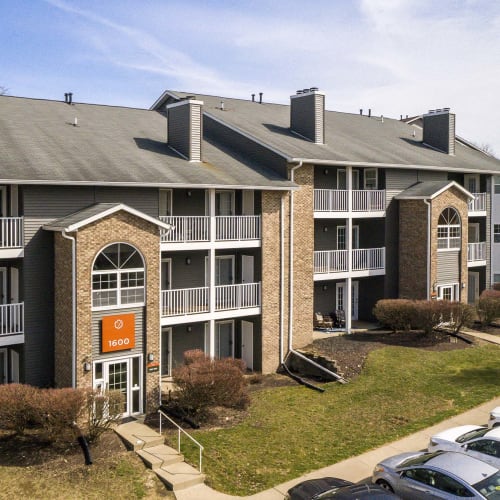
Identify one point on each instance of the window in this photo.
(118, 277)
(165, 202)
(496, 278)
(448, 230)
(497, 183)
(370, 178)
(496, 233)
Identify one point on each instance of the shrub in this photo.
(488, 306)
(57, 410)
(103, 410)
(16, 407)
(396, 314)
(203, 383)
(461, 315)
(428, 314)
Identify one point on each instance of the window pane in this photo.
(102, 263)
(132, 295)
(111, 253)
(104, 298)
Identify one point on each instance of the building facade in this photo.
(131, 236)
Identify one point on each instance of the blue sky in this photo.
(393, 56)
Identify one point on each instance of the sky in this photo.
(395, 57)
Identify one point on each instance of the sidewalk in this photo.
(360, 468)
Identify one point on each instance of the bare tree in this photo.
(3, 90)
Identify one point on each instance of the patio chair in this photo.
(339, 316)
(322, 321)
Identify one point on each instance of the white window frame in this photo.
(367, 185)
(474, 178)
(165, 202)
(341, 235)
(217, 337)
(496, 233)
(454, 289)
(118, 273)
(496, 184)
(448, 233)
(218, 206)
(169, 278)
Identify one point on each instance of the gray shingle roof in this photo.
(109, 145)
(95, 212)
(349, 138)
(429, 189)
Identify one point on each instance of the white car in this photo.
(474, 440)
(494, 417)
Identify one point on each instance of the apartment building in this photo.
(129, 236)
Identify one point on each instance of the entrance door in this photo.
(471, 183)
(3, 366)
(473, 287)
(224, 270)
(247, 344)
(122, 375)
(166, 352)
(166, 274)
(224, 339)
(341, 298)
(473, 232)
(247, 269)
(247, 207)
(3, 286)
(224, 202)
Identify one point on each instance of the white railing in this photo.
(237, 296)
(478, 204)
(330, 200)
(368, 200)
(368, 258)
(237, 227)
(179, 429)
(476, 251)
(11, 319)
(11, 232)
(186, 229)
(330, 261)
(184, 301)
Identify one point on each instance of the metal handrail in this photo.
(179, 429)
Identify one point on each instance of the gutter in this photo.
(73, 306)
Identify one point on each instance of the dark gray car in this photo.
(442, 474)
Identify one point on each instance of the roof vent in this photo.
(68, 97)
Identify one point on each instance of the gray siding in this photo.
(307, 116)
(185, 130)
(96, 333)
(43, 204)
(448, 267)
(439, 131)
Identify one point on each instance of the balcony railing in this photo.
(478, 204)
(197, 228)
(237, 296)
(186, 229)
(335, 200)
(11, 319)
(11, 232)
(184, 301)
(476, 251)
(335, 261)
(238, 227)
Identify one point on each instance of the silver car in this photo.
(442, 474)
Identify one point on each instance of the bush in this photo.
(16, 407)
(395, 314)
(58, 410)
(203, 383)
(428, 314)
(488, 306)
(461, 315)
(102, 411)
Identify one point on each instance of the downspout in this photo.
(291, 288)
(282, 273)
(73, 306)
(428, 247)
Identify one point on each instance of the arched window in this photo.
(118, 277)
(449, 229)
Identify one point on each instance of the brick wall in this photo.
(119, 227)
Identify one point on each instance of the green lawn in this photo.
(293, 430)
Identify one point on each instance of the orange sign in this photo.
(118, 332)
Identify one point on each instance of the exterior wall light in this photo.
(325, 229)
(87, 366)
(325, 171)
(188, 261)
(325, 288)
(189, 328)
(151, 357)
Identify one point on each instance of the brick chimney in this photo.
(307, 114)
(439, 130)
(185, 127)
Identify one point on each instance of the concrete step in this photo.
(138, 436)
(157, 456)
(179, 476)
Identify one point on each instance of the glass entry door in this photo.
(122, 375)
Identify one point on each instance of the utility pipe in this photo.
(73, 306)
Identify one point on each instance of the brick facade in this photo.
(90, 240)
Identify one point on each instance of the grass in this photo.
(293, 430)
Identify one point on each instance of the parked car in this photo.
(494, 419)
(441, 474)
(480, 442)
(337, 489)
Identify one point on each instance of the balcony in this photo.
(333, 264)
(477, 206)
(196, 301)
(11, 237)
(11, 324)
(334, 202)
(196, 230)
(476, 254)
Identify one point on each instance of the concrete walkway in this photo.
(360, 468)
